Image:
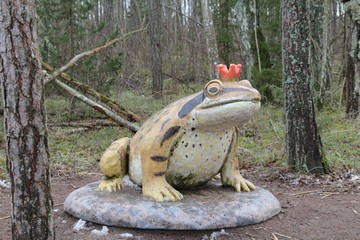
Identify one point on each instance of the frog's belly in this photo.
(197, 157)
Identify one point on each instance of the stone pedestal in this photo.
(210, 207)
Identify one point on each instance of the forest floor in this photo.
(313, 207)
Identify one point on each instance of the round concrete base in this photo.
(209, 207)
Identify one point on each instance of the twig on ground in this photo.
(304, 193)
(282, 235)
(328, 194)
(58, 205)
(4, 218)
(274, 236)
(73, 186)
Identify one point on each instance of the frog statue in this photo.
(187, 143)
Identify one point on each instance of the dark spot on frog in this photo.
(186, 144)
(169, 133)
(193, 146)
(158, 158)
(200, 144)
(159, 174)
(220, 138)
(186, 156)
(190, 105)
(193, 129)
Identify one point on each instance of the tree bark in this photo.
(155, 27)
(243, 21)
(26, 141)
(319, 48)
(303, 142)
(210, 39)
(353, 83)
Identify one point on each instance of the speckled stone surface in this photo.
(209, 207)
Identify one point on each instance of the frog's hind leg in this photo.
(113, 165)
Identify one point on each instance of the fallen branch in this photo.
(92, 124)
(75, 59)
(97, 106)
(130, 116)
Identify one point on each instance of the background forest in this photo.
(194, 36)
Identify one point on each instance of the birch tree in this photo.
(210, 39)
(241, 13)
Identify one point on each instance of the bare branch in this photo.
(75, 59)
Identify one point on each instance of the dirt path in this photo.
(311, 209)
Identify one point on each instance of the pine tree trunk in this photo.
(155, 27)
(303, 142)
(25, 132)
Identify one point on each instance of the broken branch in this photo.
(75, 59)
(130, 116)
(97, 106)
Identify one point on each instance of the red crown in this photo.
(231, 75)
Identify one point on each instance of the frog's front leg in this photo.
(154, 184)
(230, 172)
(113, 165)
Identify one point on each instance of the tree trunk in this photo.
(319, 59)
(303, 143)
(210, 39)
(353, 84)
(155, 27)
(25, 133)
(242, 16)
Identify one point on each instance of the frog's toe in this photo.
(243, 184)
(161, 193)
(110, 185)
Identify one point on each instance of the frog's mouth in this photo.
(214, 104)
(227, 113)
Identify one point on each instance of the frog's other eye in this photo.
(213, 88)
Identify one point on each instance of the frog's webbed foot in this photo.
(110, 184)
(161, 190)
(239, 183)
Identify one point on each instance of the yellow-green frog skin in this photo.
(185, 144)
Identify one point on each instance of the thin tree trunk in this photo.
(303, 143)
(155, 25)
(319, 60)
(25, 134)
(210, 39)
(242, 14)
(256, 35)
(353, 84)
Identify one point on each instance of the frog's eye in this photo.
(213, 88)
